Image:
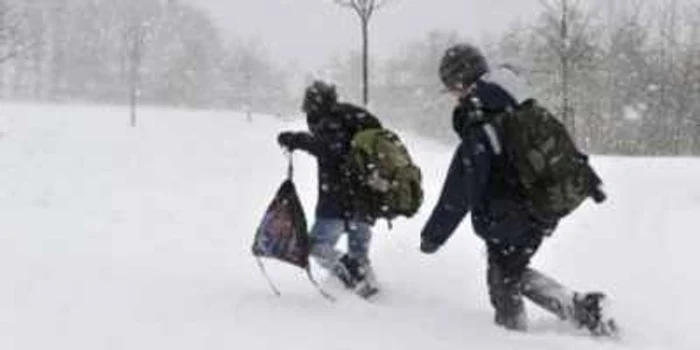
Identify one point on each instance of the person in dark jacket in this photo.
(332, 125)
(479, 181)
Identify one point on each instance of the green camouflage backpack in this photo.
(554, 176)
(386, 181)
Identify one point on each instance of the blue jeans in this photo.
(325, 234)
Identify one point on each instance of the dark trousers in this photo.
(506, 265)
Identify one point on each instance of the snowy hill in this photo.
(121, 238)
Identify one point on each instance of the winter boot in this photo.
(515, 320)
(580, 309)
(359, 277)
(367, 283)
(344, 270)
(588, 312)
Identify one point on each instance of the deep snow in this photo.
(114, 237)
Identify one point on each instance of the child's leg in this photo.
(324, 237)
(506, 266)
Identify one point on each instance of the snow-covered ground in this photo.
(114, 237)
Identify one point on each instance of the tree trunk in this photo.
(567, 115)
(134, 75)
(567, 112)
(133, 96)
(365, 61)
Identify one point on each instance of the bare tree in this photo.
(247, 64)
(135, 42)
(660, 130)
(408, 95)
(626, 72)
(685, 75)
(567, 31)
(364, 10)
(692, 125)
(138, 28)
(13, 38)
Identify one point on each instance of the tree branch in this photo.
(380, 4)
(345, 3)
(549, 8)
(363, 8)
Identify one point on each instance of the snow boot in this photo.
(343, 270)
(360, 276)
(515, 321)
(367, 283)
(579, 309)
(589, 313)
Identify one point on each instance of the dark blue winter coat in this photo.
(479, 180)
(329, 141)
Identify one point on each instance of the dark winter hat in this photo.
(461, 66)
(319, 96)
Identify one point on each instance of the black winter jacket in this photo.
(329, 142)
(478, 178)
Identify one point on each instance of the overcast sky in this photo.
(306, 33)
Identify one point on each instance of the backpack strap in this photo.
(267, 277)
(318, 287)
(493, 138)
(290, 166)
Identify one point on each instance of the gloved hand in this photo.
(286, 139)
(428, 246)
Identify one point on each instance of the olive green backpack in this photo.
(554, 176)
(386, 182)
